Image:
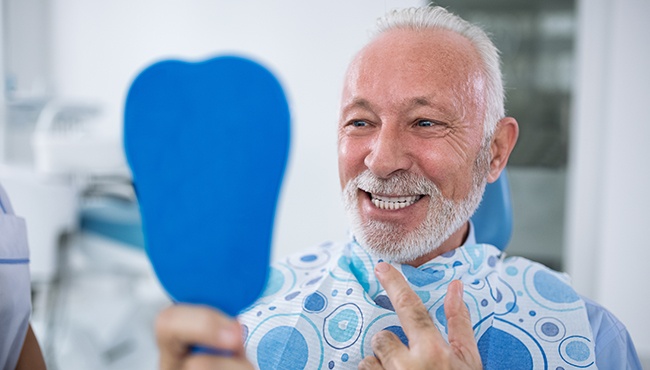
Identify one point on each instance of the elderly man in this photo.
(422, 129)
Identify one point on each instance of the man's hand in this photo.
(427, 348)
(182, 326)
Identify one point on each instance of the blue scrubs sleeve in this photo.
(15, 295)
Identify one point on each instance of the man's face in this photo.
(411, 157)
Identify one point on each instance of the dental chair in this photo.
(108, 297)
(493, 218)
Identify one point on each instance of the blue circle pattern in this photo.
(313, 281)
(309, 258)
(291, 295)
(358, 269)
(342, 327)
(519, 356)
(383, 301)
(399, 332)
(279, 343)
(576, 351)
(344, 263)
(315, 302)
(424, 296)
(422, 277)
(440, 315)
(449, 254)
(475, 255)
(271, 354)
(550, 329)
(356, 265)
(275, 283)
(281, 280)
(343, 321)
(553, 289)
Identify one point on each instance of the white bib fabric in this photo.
(321, 309)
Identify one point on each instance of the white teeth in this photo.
(393, 203)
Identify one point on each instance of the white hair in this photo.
(435, 17)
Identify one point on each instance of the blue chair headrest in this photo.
(493, 218)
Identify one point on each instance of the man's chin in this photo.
(390, 246)
(404, 255)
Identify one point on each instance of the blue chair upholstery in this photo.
(493, 218)
(115, 219)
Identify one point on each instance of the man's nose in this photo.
(388, 153)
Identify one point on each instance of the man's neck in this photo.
(456, 240)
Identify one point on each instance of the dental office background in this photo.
(577, 78)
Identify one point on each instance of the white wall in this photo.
(99, 46)
(608, 248)
(26, 49)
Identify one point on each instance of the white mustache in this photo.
(402, 183)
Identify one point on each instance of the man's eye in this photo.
(359, 123)
(425, 123)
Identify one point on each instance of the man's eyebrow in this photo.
(424, 101)
(413, 102)
(359, 103)
(420, 100)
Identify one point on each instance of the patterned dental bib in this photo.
(321, 309)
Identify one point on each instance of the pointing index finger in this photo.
(412, 314)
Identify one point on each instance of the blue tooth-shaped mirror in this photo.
(207, 144)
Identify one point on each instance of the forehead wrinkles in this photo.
(471, 94)
(371, 91)
(452, 61)
(448, 63)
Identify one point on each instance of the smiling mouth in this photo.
(393, 203)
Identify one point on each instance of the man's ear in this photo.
(503, 141)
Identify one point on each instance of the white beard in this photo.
(389, 241)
